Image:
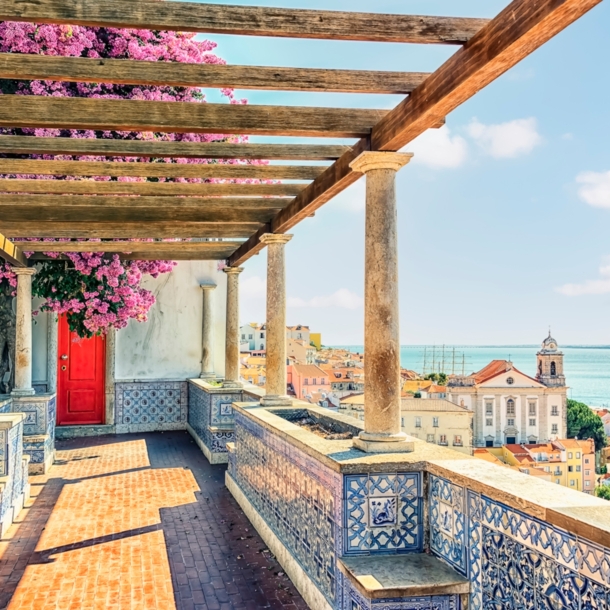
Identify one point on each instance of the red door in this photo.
(80, 378)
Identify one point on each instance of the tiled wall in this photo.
(213, 410)
(513, 560)
(146, 406)
(299, 498)
(15, 480)
(321, 515)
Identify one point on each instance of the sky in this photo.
(503, 213)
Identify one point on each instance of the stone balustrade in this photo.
(354, 530)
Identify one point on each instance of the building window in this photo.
(578, 455)
(553, 369)
(587, 473)
(435, 422)
(442, 440)
(510, 407)
(578, 469)
(587, 483)
(243, 337)
(570, 456)
(306, 381)
(489, 422)
(558, 481)
(511, 422)
(250, 336)
(418, 422)
(570, 468)
(547, 469)
(557, 471)
(489, 443)
(489, 408)
(554, 429)
(532, 422)
(457, 440)
(555, 411)
(532, 408)
(572, 482)
(586, 460)
(430, 438)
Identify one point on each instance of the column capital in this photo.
(371, 160)
(207, 286)
(275, 238)
(233, 270)
(23, 270)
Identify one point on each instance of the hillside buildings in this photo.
(308, 381)
(436, 421)
(511, 407)
(566, 462)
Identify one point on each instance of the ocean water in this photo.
(587, 368)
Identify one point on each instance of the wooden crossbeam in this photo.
(97, 214)
(28, 145)
(245, 20)
(125, 72)
(185, 117)
(159, 170)
(28, 202)
(517, 31)
(124, 230)
(152, 189)
(11, 253)
(129, 250)
(130, 246)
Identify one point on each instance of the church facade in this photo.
(511, 407)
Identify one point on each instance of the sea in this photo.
(587, 368)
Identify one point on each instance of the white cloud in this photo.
(342, 299)
(253, 288)
(506, 140)
(596, 188)
(599, 286)
(437, 148)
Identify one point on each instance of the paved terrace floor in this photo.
(137, 522)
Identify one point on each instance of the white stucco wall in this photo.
(39, 345)
(168, 345)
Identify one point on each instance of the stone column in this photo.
(382, 430)
(23, 340)
(232, 342)
(207, 337)
(275, 387)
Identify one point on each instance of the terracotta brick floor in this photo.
(137, 522)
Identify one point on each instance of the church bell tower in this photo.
(550, 364)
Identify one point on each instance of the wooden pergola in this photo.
(238, 213)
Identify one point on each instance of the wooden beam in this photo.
(185, 117)
(159, 170)
(152, 189)
(520, 29)
(16, 66)
(139, 230)
(334, 180)
(29, 145)
(11, 253)
(160, 247)
(130, 214)
(174, 255)
(245, 20)
(26, 202)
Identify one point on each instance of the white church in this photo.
(512, 407)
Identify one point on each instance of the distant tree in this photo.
(432, 377)
(603, 469)
(417, 395)
(603, 492)
(583, 423)
(442, 379)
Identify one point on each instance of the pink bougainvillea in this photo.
(98, 292)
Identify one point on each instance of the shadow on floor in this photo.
(216, 559)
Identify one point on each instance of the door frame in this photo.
(109, 365)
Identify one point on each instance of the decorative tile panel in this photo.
(351, 599)
(448, 522)
(39, 414)
(383, 514)
(299, 498)
(149, 406)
